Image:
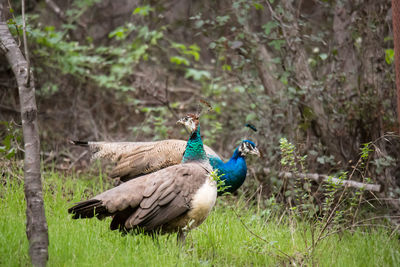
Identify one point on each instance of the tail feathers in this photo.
(79, 143)
(89, 209)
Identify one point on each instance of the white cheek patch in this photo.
(192, 126)
(244, 149)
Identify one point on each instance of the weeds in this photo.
(328, 209)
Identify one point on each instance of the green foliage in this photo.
(197, 75)
(154, 123)
(269, 26)
(290, 158)
(287, 149)
(179, 60)
(365, 151)
(11, 139)
(389, 56)
(184, 51)
(77, 9)
(193, 50)
(382, 163)
(108, 66)
(122, 32)
(143, 10)
(220, 183)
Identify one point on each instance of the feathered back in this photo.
(133, 159)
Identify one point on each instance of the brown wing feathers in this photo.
(150, 201)
(134, 159)
(149, 158)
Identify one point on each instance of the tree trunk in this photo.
(36, 225)
(396, 40)
(305, 80)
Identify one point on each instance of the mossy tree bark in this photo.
(36, 225)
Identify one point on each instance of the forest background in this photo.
(319, 74)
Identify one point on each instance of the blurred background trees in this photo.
(319, 73)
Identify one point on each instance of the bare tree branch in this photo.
(319, 178)
(36, 225)
(56, 9)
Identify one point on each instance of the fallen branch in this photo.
(319, 178)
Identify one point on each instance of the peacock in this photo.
(233, 172)
(173, 199)
(134, 159)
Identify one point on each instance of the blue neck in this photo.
(194, 148)
(234, 171)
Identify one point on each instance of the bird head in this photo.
(190, 121)
(248, 147)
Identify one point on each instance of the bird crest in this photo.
(203, 107)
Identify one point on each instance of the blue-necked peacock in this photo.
(233, 172)
(169, 200)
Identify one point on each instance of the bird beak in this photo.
(255, 151)
(180, 122)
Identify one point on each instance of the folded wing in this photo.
(157, 201)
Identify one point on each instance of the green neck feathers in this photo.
(194, 148)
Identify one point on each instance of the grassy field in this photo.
(256, 239)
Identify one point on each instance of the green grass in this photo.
(221, 241)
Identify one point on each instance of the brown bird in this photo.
(173, 199)
(133, 159)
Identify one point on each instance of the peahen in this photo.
(172, 199)
(137, 158)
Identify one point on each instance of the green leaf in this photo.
(195, 54)
(49, 28)
(194, 47)
(178, 46)
(258, 6)
(251, 117)
(179, 60)
(197, 75)
(143, 10)
(239, 89)
(198, 24)
(389, 56)
(277, 44)
(212, 45)
(292, 90)
(323, 56)
(388, 38)
(222, 19)
(269, 26)
(226, 67)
